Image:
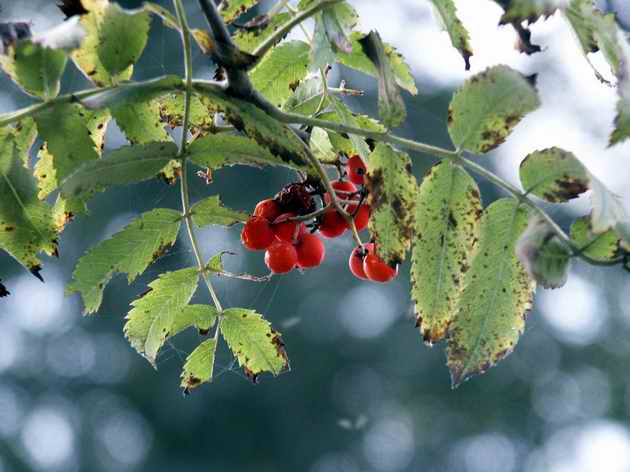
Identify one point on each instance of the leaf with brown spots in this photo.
(232, 9)
(151, 320)
(392, 199)
(497, 296)
(460, 39)
(129, 251)
(257, 347)
(555, 175)
(486, 109)
(448, 209)
(199, 366)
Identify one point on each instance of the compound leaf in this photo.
(489, 105)
(129, 251)
(151, 320)
(448, 209)
(497, 295)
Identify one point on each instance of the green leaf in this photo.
(248, 39)
(123, 36)
(35, 68)
(219, 150)
(140, 122)
(128, 164)
(255, 344)
(609, 212)
(172, 112)
(358, 60)
(199, 366)
(322, 146)
(518, 11)
(554, 174)
(280, 72)
(201, 317)
(621, 130)
(392, 198)
(234, 8)
(69, 143)
(24, 133)
(545, 258)
(114, 42)
(496, 298)
(26, 226)
(345, 116)
(129, 251)
(322, 53)
(210, 211)
(601, 247)
(489, 105)
(151, 320)
(447, 13)
(448, 209)
(307, 97)
(131, 92)
(339, 20)
(391, 107)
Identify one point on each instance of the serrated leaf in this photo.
(129, 251)
(35, 68)
(518, 11)
(140, 122)
(128, 164)
(201, 317)
(210, 211)
(172, 112)
(219, 150)
(448, 209)
(460, 39)
(490, 104)
(392, 199)
(496, 298)
(621, 130)
(257, 347)
(280, 72)
(248, 39)
(322, 53)
(69, 144)
(391, 107)
(545, 258)
(232, 9)
(554, 174)
(199, 366)
(151, 320)
(346, 117)
(338, 23)
(24, 134)
(358, 60)
(131, 92)
(601, 247)
(26, 226)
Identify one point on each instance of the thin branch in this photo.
(313, 215)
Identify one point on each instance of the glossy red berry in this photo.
(287, 230)
(332, 224)
(356, 262)
(257, 234)
(269, 209)
(356, 170)
(345, 188)
(281, 257)
(376, 269)
(310, 251)
(362, 217)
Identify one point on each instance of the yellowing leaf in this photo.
(601, 247)
(199, 366)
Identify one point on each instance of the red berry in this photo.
(281, 257)
(345, 188)
(356, 170)
(287, 230)
(310, 251)
(332, 224)
(257, 234)
(362, 217)
(376, 269)
(268, 208)
(356, 262)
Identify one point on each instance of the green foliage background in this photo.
(310, 418)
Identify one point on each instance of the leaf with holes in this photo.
(125, 165)
(496, 298)
(129, 251)
(151, 320)
(555, 175)
(280, 72)
(26, 226)
(255, 344)
(487, 108)
(545, 258)
(448, 208)
(601, 247)
(460, 39)
(392, 198)
(210, 211)
(199, 366)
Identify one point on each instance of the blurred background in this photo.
(364, 393)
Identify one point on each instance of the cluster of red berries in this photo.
(278, 227)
